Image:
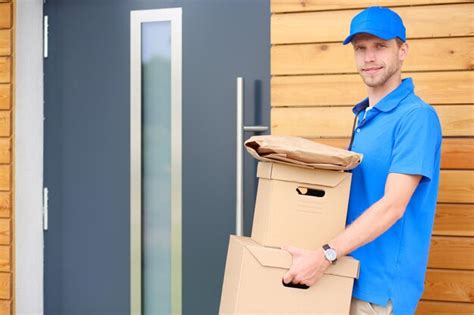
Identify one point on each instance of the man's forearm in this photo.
(369, 225)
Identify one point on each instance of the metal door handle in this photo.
(239, 204)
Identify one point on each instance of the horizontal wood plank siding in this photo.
(326, 90)
(449, 285)
(313, 122)
(421, 22)
(282, 6)
(444, 248)
(5, 42)
(5, 96)
(5, 204)
(7, 117)
(456, 186)
(314, 85)
(457, 153)
(5, 15)
(5, 307)
(5, 258)
(444, 308)
(317, 58)
(454, 220)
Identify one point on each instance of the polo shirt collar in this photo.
(391, 100)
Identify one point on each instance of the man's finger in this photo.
(288, 278)
(297, 279)
(292, 250)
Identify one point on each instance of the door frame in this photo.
(137, 17)
(27, 142)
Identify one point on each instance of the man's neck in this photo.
(377, 93)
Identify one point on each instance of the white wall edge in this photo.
(29, 157)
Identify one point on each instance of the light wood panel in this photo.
(424, 55)
(5, 96)
(5, 68)
(454, 219)
(457, 153)
(456, 187)
(444, 308)
(5, 15)
(348, 89)
(312, 122)
(5, 204)
(450, 252)
(5, 231)
(449, 285)
(5, 258)
(456, 120)
(5, 307)
(315, 122)
(5, 150)
(7, 172)
(5, 285)
(5, 42)
(5, 123)
(5, 177)
(422, 22)
(314, 86)
(280, 6)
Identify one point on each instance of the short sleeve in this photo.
(417, 143)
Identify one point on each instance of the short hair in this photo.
(399, 42)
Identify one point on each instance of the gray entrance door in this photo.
(87, 145)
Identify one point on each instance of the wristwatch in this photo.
(330, 253)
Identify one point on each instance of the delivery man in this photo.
(394, 189)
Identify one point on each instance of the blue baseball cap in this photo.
(378, 21)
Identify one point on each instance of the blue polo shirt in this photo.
(400, 134)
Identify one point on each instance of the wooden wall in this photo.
(6, 157)
(314, 85)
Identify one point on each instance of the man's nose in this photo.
(369, 55)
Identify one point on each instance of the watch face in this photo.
(331, 254)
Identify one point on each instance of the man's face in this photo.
(378, 60)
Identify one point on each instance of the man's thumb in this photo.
(292, 250)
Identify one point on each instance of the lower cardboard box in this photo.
(253, 283)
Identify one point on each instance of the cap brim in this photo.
(377, 33)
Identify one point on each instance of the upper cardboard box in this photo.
(300, 175)
(298, 206)
(301, 152)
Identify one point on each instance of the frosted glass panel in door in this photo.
(156, 167)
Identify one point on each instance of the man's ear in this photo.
(403, 51)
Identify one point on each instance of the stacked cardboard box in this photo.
(253, 283)
(299, 207)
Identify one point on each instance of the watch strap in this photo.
(327, 247)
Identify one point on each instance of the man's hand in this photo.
(307, 267)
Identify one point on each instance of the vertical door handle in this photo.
(239, 204)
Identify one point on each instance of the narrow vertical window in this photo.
(156, 161)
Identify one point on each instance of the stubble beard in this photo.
(380, 79)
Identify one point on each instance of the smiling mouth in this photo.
(371, 70)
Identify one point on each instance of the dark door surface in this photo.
(87, 145)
